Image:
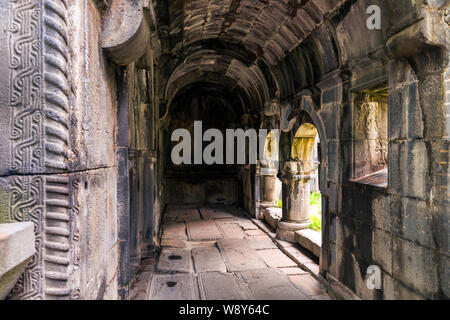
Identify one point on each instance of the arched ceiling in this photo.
(253, 42)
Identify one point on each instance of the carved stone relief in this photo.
(36, 107)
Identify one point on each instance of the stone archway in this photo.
(298, 168)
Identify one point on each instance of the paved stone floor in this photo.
(220, 254)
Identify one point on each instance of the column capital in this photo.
(297, 170)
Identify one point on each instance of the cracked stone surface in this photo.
(234, 265)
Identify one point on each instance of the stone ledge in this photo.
(272, 216)
(17, 247)
(310, 240)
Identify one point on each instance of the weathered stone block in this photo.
(16, 249)
(334, 168)
(415, 266)
(335, 199)
(309, 239)
(441, 227)
(444, 275)
(382, 248)
(414, 162)
(417, 222)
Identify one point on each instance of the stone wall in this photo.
(399, 228)
(58, 120)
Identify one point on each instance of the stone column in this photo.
(148, 246)
(258, 192)
(296, 178)
(269, 179)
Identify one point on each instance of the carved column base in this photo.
(286, 229)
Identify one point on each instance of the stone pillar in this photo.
(135, 210)
(257, 194)
(269, 189)
(148, 246)
(296, 178)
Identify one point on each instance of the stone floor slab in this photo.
(307, 285)
(221, 286)
(231, 230)
(203, 230)
(208, 259)
(174, 287)
(239, 256)
(181, 214)
(174, 243)
(230, 254)
(261, 242)
(175, 260)
(174, 231)
(254, 233)
(271, 284)
(292, 271)
(274, 258)
(248, 225)
(215, 213)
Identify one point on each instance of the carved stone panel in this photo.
(35, 147)
(35, 94)
(50, 203)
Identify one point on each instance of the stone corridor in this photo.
(219, 253)
(326, 119)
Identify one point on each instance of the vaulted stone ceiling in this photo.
(243, 42)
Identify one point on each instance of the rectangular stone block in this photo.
(309, 286)
(261, 242)
(270, 284)
(221, 286)
(181, 214)
(215, 213)
(174, 287)
(415, 266)
(175, 260)
(418, 222)
(382, 248)
(203, 230)
(310, 240)
(239, 256)
(231, 230)
(208, 259)
(414, 161)
(275, 258)
(174, 231)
